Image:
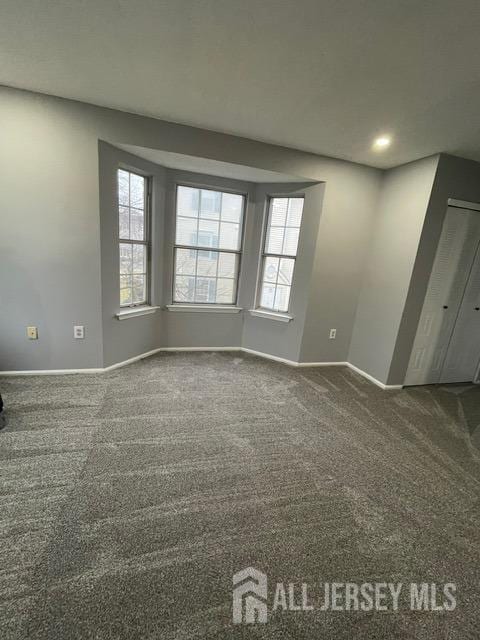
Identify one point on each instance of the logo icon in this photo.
(249, 596)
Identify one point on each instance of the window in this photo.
(134, 247)
(207, 246)
(280, 251)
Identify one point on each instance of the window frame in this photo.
(238, 252)
(264, 254)
(146, 242)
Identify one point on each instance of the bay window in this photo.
(134, 240)
(280, 252)
(208, 240)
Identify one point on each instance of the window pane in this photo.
(214, 281)
(207, 222)
(227, 265)
(232, 206)
(125, 281)
(205, 290)
(126, 296)
(278, 214)
(229, 236)
(207, 263)
(186, 231)
(207, 233)
(282, 236)
(124, 223)
(123, 190)
(125, 258)
(268, 296)
(285, 273)
(284, 226)
(282, 296)
(137, 231)
(184, 289)
(295, 209)
(185, 262)
(274, 242)
(225, 291)
(270, 271)
(139, 289)
(132, 226)
(139, 252)
(188, 202)
(210, 204)
(290, 242)
(125, 289)
(137, 191)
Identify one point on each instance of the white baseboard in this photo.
(50, 372)
(385, 387)
(260, 354)
(200, 349)
(293, 363)
(117, 365)
(336, 363)
(268, 356)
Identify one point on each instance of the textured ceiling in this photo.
(321, 75)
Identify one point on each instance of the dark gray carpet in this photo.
(129, 499)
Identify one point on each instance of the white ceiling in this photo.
(209, 167)
(322, 75)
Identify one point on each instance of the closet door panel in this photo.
(453, 261)
(463, 353)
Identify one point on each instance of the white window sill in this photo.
(134, 312)
(203, 308)
(271, 315)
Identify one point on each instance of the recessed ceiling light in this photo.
(382, 143)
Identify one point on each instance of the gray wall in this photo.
(343, 238)
(50, 230)
(402, 207)
(49, 235)
(456, 178)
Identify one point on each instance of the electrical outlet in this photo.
(79, 332)
(333, 334)
(32, 333)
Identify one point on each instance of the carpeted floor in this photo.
(128, 500)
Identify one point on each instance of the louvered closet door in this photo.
(453, 262)
(463, 353)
